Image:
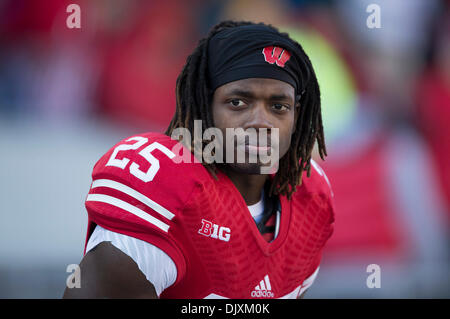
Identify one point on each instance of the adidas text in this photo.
(262, 294)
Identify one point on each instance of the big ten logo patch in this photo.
(209, 229)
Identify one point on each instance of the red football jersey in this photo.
(142, 188)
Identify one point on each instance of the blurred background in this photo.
(68, 95)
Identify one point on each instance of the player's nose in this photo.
(259, 117)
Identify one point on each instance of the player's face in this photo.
(255, 103)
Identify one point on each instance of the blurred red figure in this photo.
(369, 221)
(433, 99)
(140, 69)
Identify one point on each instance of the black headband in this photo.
(254, 51)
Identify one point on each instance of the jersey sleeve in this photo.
(322, 186)
(155, 264)
(139, 189)
(321, 195)
(323, 183)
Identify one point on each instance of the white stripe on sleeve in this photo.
(129, 208)
(135, 194)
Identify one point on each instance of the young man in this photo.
(160, 226)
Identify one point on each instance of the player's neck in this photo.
(250, 186)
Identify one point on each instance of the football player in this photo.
(163, 224)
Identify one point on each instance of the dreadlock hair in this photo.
(194, 98)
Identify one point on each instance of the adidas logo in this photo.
(263, 290)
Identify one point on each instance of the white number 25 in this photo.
(145, 153)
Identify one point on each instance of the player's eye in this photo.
(236, 102)
(280, 107)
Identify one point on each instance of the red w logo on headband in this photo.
(276, 55)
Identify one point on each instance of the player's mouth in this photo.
(256, 149)
(260, 148)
